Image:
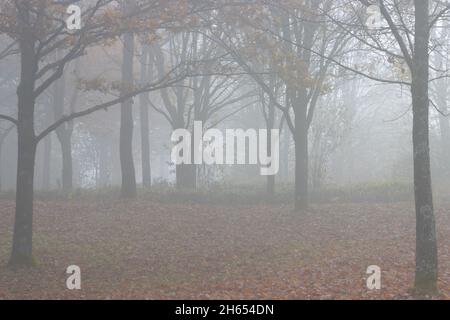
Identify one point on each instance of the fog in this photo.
(142, 116)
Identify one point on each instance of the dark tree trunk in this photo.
(302, 101)
(284, 165)
(23, 226)
(64, 134)
(186, 174)
(145, 131)
(67, 166)
(145, 148)
(426, 249)
(271, 186)
(301, 153)
(128, 189)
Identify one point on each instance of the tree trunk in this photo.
(64, 134)
(426, 248)
(284, 165)
(128, 189)
(301, 154)
(270, 125)
(301, 119)
(67, 166)
(145, 132)
(271, 186)
(186, 174)
(23, 226)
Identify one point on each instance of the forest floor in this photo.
(150, 250)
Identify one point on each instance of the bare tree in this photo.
(304, 42)
(40, 31)
(406, 41)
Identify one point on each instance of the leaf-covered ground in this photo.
(149, 250)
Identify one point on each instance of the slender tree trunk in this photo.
(301, 154)
(145, 148)
(301, 118)
(426, 248)
(191, 172)
(186, 174)
(64, 135)
(144, 117)
(65, 141)
(23, 226)
(128, 189)
(270, 179)
(284, 166)
(67, 165)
